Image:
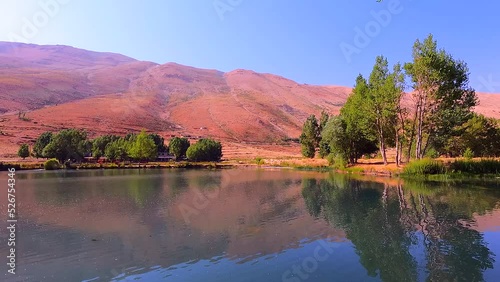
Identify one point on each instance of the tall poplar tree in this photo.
(309, 137)
(442, 98)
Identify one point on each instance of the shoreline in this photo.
(371, 168)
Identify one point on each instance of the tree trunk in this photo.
(419, 135)
(412, 135)
(398, 146)
(421, 110)
(382, 151)
(400, 138)
(426, 146)
(380, 132)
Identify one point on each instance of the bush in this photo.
(468, 154)
(431, 153)
(205, 150)
(485, 166)
(337, 161)
(52, 164)
(424, 167)
(259, 161)
(24, 151)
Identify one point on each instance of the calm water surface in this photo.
(251, 225)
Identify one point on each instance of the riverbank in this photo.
(370, 167)
(150, 165)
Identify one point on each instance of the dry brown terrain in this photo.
(251, 113)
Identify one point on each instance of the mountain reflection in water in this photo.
(252, 225)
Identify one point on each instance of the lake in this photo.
(251, 225)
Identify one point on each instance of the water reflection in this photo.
(419, 232)
(250, 225)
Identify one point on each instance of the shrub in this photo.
(468, 154)
(485, 166)
(259, 161)
(424, 167)
(52, 164)
(337, 161)
(206, 150)
(24, 151)
(431, 153)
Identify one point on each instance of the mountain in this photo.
(60, 87)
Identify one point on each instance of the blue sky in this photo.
(298, 39)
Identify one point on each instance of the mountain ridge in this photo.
(60, 86)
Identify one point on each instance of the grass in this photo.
(424, 167)
(312, 168)
(465, 168)
(358, 170)
(484, 166)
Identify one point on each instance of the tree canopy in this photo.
(24, 151)
(309, 137)
(68, 144)
(178, 147)
(205, 150)
(41, 142)
(143, 148)
(437, 120)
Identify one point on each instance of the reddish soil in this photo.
(251, 113)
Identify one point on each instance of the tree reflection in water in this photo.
(390, 225)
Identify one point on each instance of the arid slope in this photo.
(60, 87)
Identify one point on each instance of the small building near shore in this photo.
(165, 157)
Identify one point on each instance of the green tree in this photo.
(159, 142)
(480, 134)
(358, 131)
(87, 148)
(41, 142)
(337, 141)
(205, 150)
(322, 122)
(384, 98)
(68, 144)
(334, 139)
(178, 147)
(99, 144)
(324, 145)
(309, 137)
(397, 87)
(143, 148)
(24, 151)
(117, 150)
(130, 137)
(324, 149)
(443, 99)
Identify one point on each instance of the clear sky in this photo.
(313, 42)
